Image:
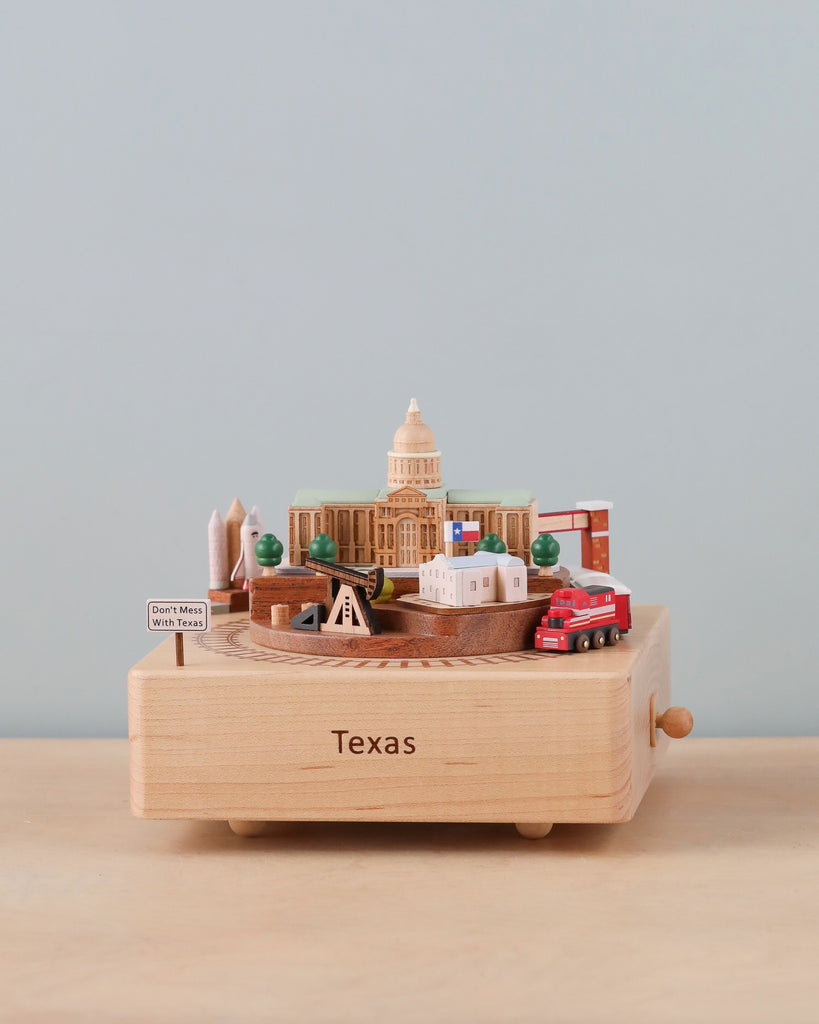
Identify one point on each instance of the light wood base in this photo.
(248, 735)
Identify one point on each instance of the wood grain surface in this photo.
(536, 738)
(703, 908)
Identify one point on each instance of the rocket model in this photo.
(259, 521)
(246, 565)
(232, 543)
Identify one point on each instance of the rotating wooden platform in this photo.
(415, 628)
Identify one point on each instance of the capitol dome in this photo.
(413, 435)
(414, 461)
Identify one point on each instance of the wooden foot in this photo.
(533, 831)
(246, 828)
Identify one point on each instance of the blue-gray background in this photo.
(237, 238)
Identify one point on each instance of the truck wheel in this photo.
(598, 639)
(582, 642)
(614, 635)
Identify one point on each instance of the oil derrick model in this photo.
(352, 593)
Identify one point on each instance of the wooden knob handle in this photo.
(675, 722)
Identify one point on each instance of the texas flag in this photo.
(454, 532)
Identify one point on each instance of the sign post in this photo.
(178, 617)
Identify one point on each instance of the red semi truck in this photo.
(584, 617)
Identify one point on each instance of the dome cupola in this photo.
(414, 460)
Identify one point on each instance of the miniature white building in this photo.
(473, 579)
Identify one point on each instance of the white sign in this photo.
(178, 616)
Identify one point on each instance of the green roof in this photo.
(312, 499)
(503, 498)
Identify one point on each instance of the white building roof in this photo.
(480, 558)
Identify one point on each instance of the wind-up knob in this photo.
(675, 722)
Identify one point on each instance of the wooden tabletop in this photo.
(704, 908)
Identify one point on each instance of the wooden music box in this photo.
(248, 734)
(381, 678)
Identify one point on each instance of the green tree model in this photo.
(545, 553)
(269, 551)
(491, 542)
(323, 546)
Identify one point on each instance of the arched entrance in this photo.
(407, 542)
